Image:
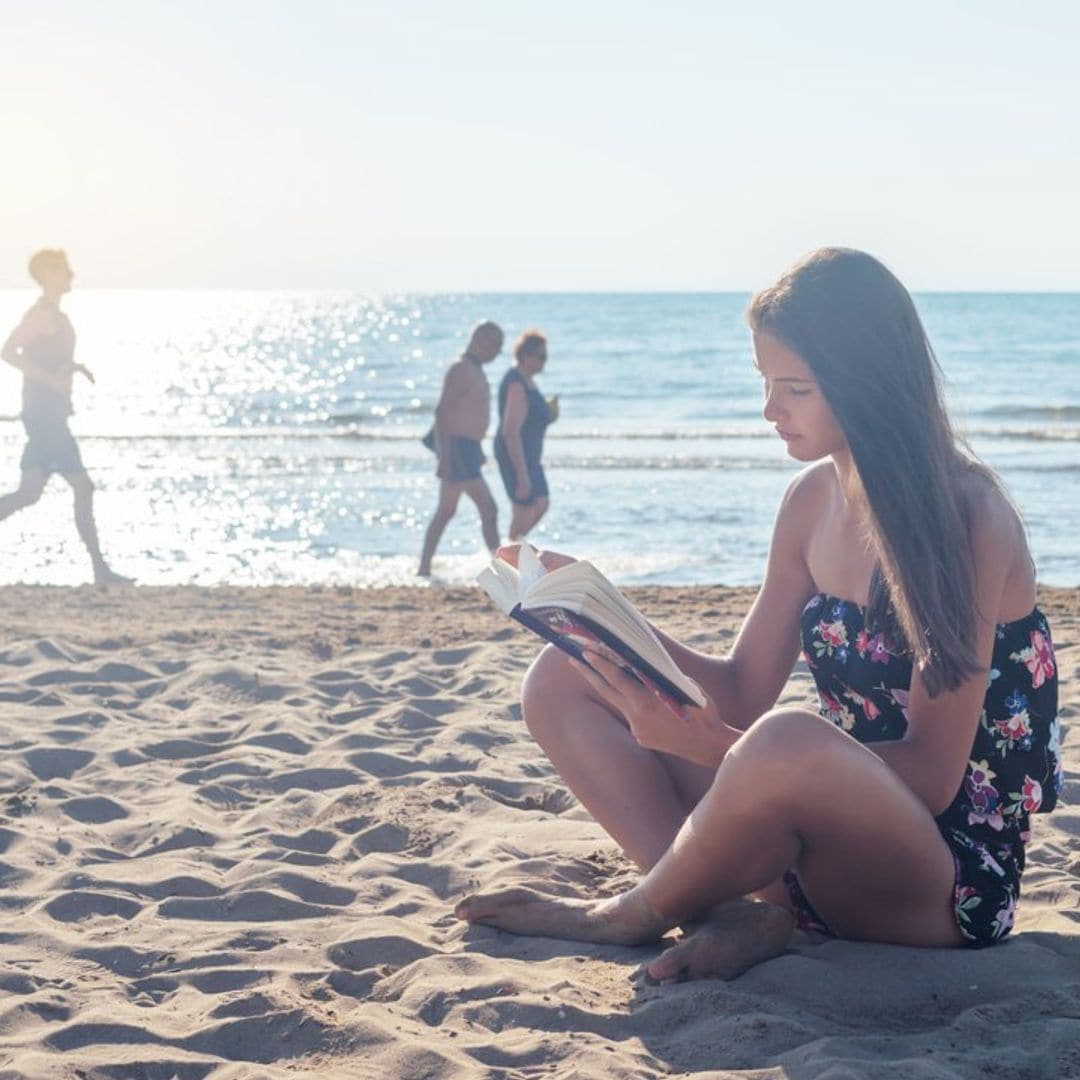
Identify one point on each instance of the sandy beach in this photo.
(233, 823)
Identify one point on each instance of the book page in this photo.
(581, 588)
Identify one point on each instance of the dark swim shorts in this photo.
(463, 460)
(51, 447)
(537, 480)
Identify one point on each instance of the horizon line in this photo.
(661, 291)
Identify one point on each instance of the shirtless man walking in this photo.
(461, 422)
(42, 347)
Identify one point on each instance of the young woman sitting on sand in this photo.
(900, 813)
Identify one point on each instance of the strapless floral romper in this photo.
(1014, 768)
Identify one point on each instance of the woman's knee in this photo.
(786, 740)
(548, 686)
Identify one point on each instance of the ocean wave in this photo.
(1057, 413)
(387, 434)
(1069, 434)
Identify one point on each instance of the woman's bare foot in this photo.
(733, 937)
(620, 920)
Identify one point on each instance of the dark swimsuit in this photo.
(50, 446)
(463, 460)
(532, 439)
(463, 457)
(1014, 768)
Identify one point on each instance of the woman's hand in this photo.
(656, 722)
(522, 488)
(550, 560)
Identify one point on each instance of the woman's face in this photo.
(533, 362)
(794, 404)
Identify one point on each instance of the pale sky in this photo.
(428, 145)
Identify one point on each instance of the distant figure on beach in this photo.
(461, 422)
(42, 347)
(524, 415)
(900, 811)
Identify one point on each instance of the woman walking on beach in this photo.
(524, 415)
(900, 812)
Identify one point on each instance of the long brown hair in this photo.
(855, 326)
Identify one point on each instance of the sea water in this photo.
(258, 438)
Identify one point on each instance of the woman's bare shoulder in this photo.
(990, 510)
(810, 489)
(999, 542)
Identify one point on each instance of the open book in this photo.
(576, 607)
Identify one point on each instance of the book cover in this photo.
(575, 607)
(573, 632)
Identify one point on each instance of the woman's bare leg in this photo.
(520, 520)
(793, 791)
(640, 797)
(538, 508)
(524, 517)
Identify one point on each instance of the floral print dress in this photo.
(1014, 768)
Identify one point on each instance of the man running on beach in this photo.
(461, 422)
(42, 347)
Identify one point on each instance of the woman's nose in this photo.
(771, 410)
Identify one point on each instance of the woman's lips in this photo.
(787, 436)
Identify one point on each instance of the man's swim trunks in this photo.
(462, 461)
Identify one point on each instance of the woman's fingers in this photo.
(508, 553)
(626, 687)
(603, 689)
(550, 560)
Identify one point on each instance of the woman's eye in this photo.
(800, 393)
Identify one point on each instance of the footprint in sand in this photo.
(87, 718)
(385, 951)
(387, 837)
(313, 841)
(526, 796)
(256, 905)
(18, 697)
(279, 740)
(178, 749)
(252, 1005)
(93, 810)
(54, 762)
(78, 905)
(275, 1037)
(109, 673)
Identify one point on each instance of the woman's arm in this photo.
(517, 407)
(932, 756)
(746, 683)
